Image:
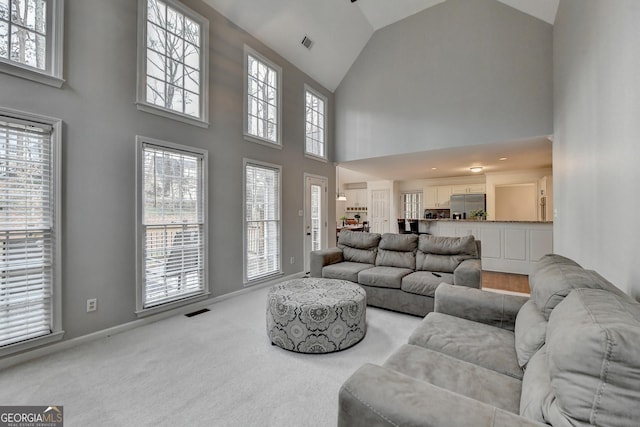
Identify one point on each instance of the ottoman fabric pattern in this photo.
(315, 315)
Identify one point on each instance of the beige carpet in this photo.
(214, 369)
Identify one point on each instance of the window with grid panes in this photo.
(173, 61)
(262, 220)
(262, 108)
(172, 217)
(31, 37)
(412, 205)
(315, 116)
(29, 265)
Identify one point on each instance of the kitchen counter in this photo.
(483, 220)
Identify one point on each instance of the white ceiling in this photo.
(340, 29)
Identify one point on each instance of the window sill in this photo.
(31, 343)
(158, 111)
(262, 141)
(262, 279)
(144, 312)
(29, 74)
(314, 157)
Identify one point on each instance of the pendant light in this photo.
(340, 197)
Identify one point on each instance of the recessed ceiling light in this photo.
(434, 169)
(476, 169)
(502, 159)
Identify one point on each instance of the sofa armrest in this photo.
(468, 273)
(319, 259)
(480, 306)
(377, 396)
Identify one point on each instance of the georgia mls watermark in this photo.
(31, 416)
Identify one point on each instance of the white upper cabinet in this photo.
(468, 189)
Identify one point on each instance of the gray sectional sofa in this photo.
(568, 356)
(401, 271)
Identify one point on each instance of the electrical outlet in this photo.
(292, 260)
(92, 304)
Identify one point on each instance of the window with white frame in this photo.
(411, 204)
(31, 37)
(262, 220)
(172, 221)
(263, 95)
(29, 223)
(315, 123)
(173, 61)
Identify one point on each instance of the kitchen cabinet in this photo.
(437, 197)
(356, 199)
(468, 189)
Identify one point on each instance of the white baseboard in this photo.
(28, 355)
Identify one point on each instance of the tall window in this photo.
(262, 220)
(315, 123)
(172, 219)
(29, 240)
(412, 205)
(262, 108)
(31, 39)
(173, 61)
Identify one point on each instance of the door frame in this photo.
(324, 235)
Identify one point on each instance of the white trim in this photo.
(53, 76)
(325, 143)
(251, 282)
(56, 300)
(139, 229)
(245, 122)
(10, 361)
(262, 141)
(325, 214)
(141, 73)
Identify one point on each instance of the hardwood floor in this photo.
(505, 281)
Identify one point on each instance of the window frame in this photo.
(419, 208)
(141, 99)
(317, 94)
(245, 120)
(142, 311)
(264, 277)
(57, 332)
(53, 74)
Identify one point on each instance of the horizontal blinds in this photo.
(173, 222)
(26, 232)
(262, 220)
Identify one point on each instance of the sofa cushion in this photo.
(424, 282)
(383, 277)
(593, 343)
(454, 375)
(358, 246)
(399, 242)
(530, 331)
(483, 345)
(536, 387)
(555, 276)
(344, 270)
(437, 253)
(397, 250)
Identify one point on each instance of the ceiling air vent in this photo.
(307, 42)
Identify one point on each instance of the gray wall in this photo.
(100, 125)
(597, 134)
(457, 74)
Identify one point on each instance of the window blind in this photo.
(26, 230)
(262, 221)
(173, 224)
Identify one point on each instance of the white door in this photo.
(315, 216)
(379, 211)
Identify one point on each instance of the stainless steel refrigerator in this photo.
(462, 204)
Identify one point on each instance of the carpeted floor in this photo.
(214, 369)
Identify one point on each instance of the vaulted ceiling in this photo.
(339, 29)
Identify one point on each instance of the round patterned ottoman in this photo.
(315, 315)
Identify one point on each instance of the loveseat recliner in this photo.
(401, 271)
(568, 356)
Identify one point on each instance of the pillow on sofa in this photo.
(358, 246)
(438, 253)
(397, 250)
(530, 332)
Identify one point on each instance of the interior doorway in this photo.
(516, 202)
(379, 211)
(315, 216)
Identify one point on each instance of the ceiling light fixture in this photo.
(502, 159)
(476, 169)
(340, 197)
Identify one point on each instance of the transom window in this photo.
(173, 59)
(262, 220)
(172, 220)
(31, 39)
(315, 122)
(263, 82)
(411, 205)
